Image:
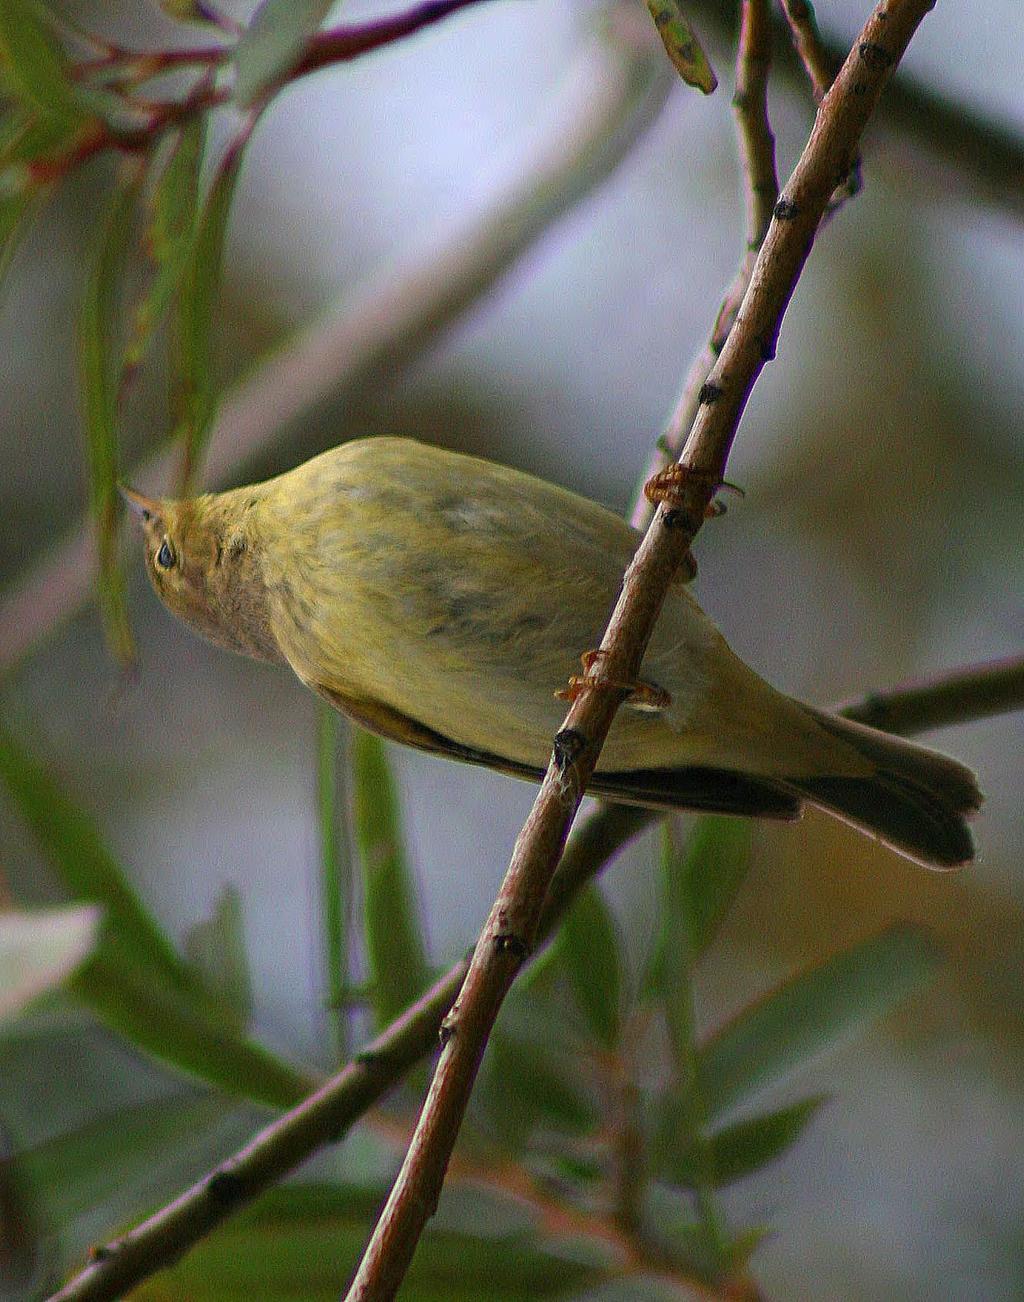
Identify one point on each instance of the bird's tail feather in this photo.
(917, 800)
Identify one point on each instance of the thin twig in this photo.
(960, 696)
(510, 931)
(615, 92)
(760, 191)
(808, 44)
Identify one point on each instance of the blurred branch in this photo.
(959, 696)
(760, 191)
(954, 697)
(807, 41)
(619, 85)
(510, 931)
(985, 157)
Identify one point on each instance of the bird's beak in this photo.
(144, 508)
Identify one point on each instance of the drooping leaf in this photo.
(15, 206)
(681, 44)
(93, 1177)
(173, 214)
(86, 867)
(33, 67)
(527, 1085)
(396, 954)
(272, 42)
(99, 346)
(135, 981)
(589, 947)
(811, 1012)
(734, 1151)
(38, 950)
(335, 879)
(311, 1237)
(216, 948)
(198, 291)
(180, 1030)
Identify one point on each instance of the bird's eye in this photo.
(165, 556)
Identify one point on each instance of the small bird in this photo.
(443, 601)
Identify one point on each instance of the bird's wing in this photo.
(698, 788)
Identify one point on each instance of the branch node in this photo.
(569, 746)
(508, 942)
(785, 210)
(709, 393)
(877, 57)
(225, 1188)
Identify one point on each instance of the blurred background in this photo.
(880, 537)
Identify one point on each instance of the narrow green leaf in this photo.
(734, 1151)
(99, 347)
(272, 42)
(681, 44)
(335, 879)
(173, 214)
(87, 869)
(198, 291)
(216, 948)
(33, 67)
(178, 1029)
(526, 1085)
(396, 954)
(810, 1013)
(589, 947)
(15, 207)
(135, 981)
(91, 1165)
(38, 950)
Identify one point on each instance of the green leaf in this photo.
(99, 333)
(734, 1151)
(699, 883)
(526, 1085)
(179, 1029)
(91, 1169)
(311, 1238)
(38, 950)
(681, 45)
(173, 215)
(273, 42)
(197, 300)
(335, 879)
(216, 948)
(716, 861)
(15, 206)
(86, 867)
(33, 67)
(396, 954)
(589, 947)
(135, 981)
(810, 1013)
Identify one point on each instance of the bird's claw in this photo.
(638, 694)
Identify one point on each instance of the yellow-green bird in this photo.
(442, 601)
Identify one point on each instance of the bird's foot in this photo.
(638, 695)
(668, 488)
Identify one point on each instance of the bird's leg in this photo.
(668, 488)
(639, 695)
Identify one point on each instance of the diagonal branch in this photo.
(959, 696)
(510, 931)
(760, 191)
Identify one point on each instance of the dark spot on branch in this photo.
(709, 393)
(507, 942)
(785, 210)
(224, 1188)
(102, 1251)
(877, 57)
(446, 1030)
(569, 746)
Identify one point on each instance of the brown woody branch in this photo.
(960, 696)
(807, 42)
(760, 191)
(511, 929)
